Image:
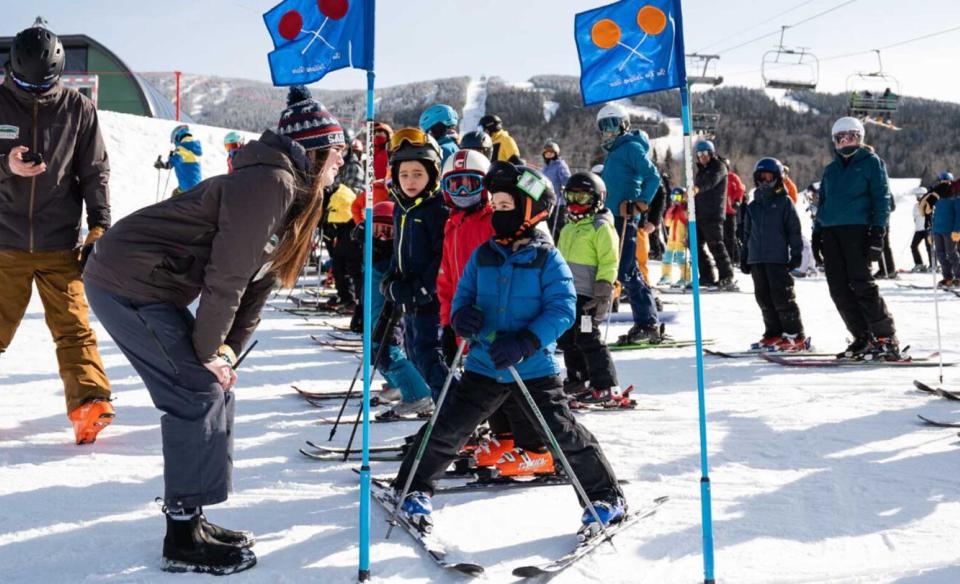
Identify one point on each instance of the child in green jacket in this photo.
(590, 245)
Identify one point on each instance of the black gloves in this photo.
(448, 344)
(511, 348)
(467, 321)
(874, 245)
(795, 261)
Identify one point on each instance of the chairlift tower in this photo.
(702, 70)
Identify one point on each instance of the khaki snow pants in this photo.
(57, 275)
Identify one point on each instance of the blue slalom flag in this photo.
(314, 37)
(629, 47)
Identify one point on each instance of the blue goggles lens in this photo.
(462, 184)
(609, 124)
(32, 87)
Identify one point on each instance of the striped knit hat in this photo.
(308, 122)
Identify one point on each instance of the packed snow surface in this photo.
(818, 475)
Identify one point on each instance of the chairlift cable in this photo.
(752, 27)
(795, 24)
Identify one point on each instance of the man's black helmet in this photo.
(491, 123)
(478, 140)
(37, 56)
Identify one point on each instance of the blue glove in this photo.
(467, 321)
(511, 348)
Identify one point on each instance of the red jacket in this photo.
(462, 234)
(379, 194)
(735, 192)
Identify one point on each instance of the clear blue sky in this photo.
(514, 39)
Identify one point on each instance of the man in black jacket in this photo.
(53, 162)
(711, 189)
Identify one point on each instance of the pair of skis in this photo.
(384, 494)
(940, 392)
(664, 344)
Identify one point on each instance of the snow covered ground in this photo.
(817, 475)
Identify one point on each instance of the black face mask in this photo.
(506, 223)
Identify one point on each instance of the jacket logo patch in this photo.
(8, 132)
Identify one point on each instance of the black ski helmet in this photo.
(37, 56)
(771, 165)
(478, 140)
(588, 182)
(532, 193)
(491, 123)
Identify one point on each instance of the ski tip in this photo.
(528, 572)
(468, 569)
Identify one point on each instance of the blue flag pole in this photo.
(706, 506)
(363, 573)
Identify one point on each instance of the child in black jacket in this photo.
(772, 247)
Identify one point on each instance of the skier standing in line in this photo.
(515, 298)
(505, 148)
(232, 143)
(632, 182)
(711, 191)
(440, 121)
(853, 210)
(773, 247)
(556, 170)
(184, 159)
(226, 242)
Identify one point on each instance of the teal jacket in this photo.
(854, 191)
(628, 172)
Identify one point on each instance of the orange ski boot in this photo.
(525, 463)
(90, 418)
(491, 448)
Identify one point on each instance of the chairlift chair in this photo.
(702, 70)
(793, 69)
(874, 95)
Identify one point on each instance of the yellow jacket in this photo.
(504, 146)
(338, 209)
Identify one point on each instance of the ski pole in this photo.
(428, 429)
(156, 197)
(244, 354)
(558, 452)
(166, 183)
(623, 236)
(395, 313)
(936, 311)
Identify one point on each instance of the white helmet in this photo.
(846, 124)
(467, 191)
(614, 110)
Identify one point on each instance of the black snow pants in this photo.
(851, 284)
(773, 289)
(710, 235)
(475, 399)
(585, 354)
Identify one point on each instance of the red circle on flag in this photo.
(291, 23)
(335, 9)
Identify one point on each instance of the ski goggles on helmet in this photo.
(846, 135)
(382, 231)
(231, 146)
(608, 124)
(677, 197)
(578, 197)
(462, 184)
(412, 136)
(33, 87)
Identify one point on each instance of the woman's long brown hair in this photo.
(302, 220)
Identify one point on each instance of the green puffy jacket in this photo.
(591, 248)
(854, 191)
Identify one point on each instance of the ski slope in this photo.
(817, 475)
(475, 105)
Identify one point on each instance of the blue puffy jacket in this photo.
(448, 145)
(946, 218)
(854, 191)
(418, 241)
(186, 163)
(628, 172)
(771, 228)
(531, 288)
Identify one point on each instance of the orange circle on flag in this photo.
(605, 33)
(651, 19)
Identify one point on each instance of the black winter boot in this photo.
(240, 539)
(188, 548)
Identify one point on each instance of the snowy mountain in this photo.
(753, 124)
(818, 475)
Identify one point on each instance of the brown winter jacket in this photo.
(42, 213)
(210, 241)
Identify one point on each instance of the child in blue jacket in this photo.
(515, 298)
(945, 231)
(418, 218)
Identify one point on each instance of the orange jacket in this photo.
(791, 189)
(379, 194)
